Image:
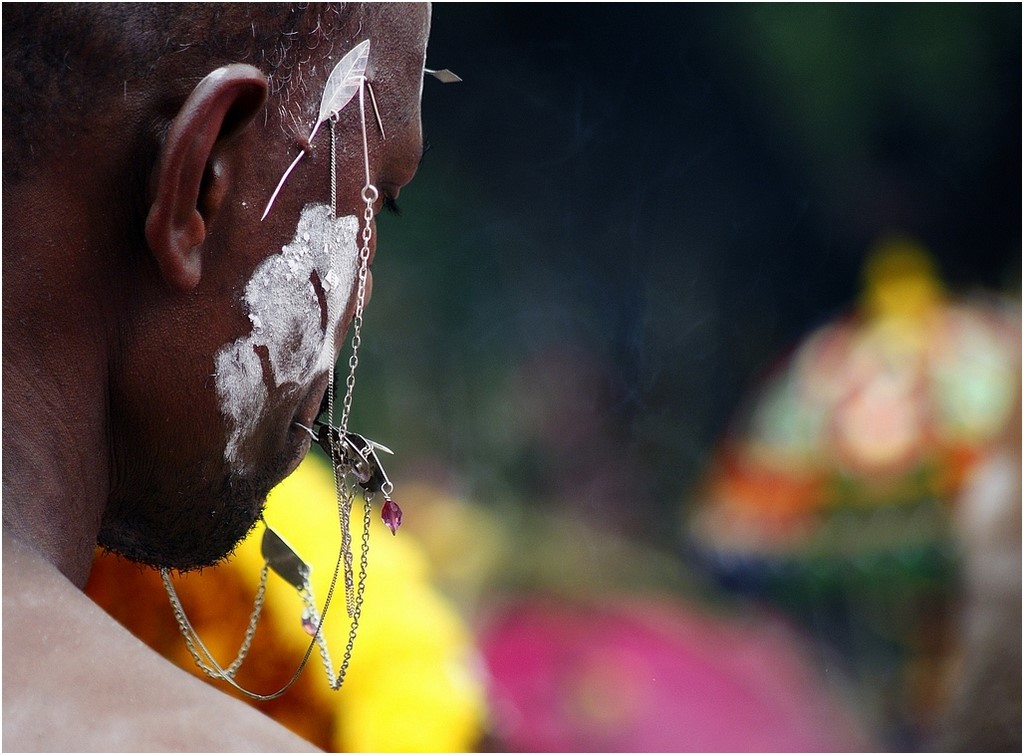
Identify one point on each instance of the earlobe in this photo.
(188, 185)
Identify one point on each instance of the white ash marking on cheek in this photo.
(288, 321)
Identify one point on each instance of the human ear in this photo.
(192, 170)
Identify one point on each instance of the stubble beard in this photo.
(194, 526)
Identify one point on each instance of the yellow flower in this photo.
(413, 684)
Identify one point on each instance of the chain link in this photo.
(354, 589)
(344, 501)
(211, 668)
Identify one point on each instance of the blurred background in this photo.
(698, 344)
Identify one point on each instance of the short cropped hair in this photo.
(64, 62)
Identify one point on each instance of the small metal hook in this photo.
(359, 454)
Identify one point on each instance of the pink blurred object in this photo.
(647, 676)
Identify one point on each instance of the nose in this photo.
(401, 159)
(401, 149)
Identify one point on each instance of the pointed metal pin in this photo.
(307, 429)
(444, 75)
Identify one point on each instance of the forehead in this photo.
(397, 33)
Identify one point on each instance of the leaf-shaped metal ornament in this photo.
(342, 85)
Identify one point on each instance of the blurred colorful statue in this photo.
(836, 495)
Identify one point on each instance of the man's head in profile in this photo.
(161, 341)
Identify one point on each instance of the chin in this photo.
(195, 527)
(191, 516)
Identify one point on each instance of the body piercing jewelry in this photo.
(351, 454)
(346, 79)
(360, 456)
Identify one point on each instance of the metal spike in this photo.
(285, 562)
(444, 76)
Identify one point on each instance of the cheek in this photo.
(295, 300)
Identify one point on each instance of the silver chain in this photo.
(354, 588)
(193, 642)
(335, 680)
(344, 500)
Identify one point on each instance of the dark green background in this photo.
(629, 212)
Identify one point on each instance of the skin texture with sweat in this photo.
(295, 300)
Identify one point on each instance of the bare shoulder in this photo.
(75, 680)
